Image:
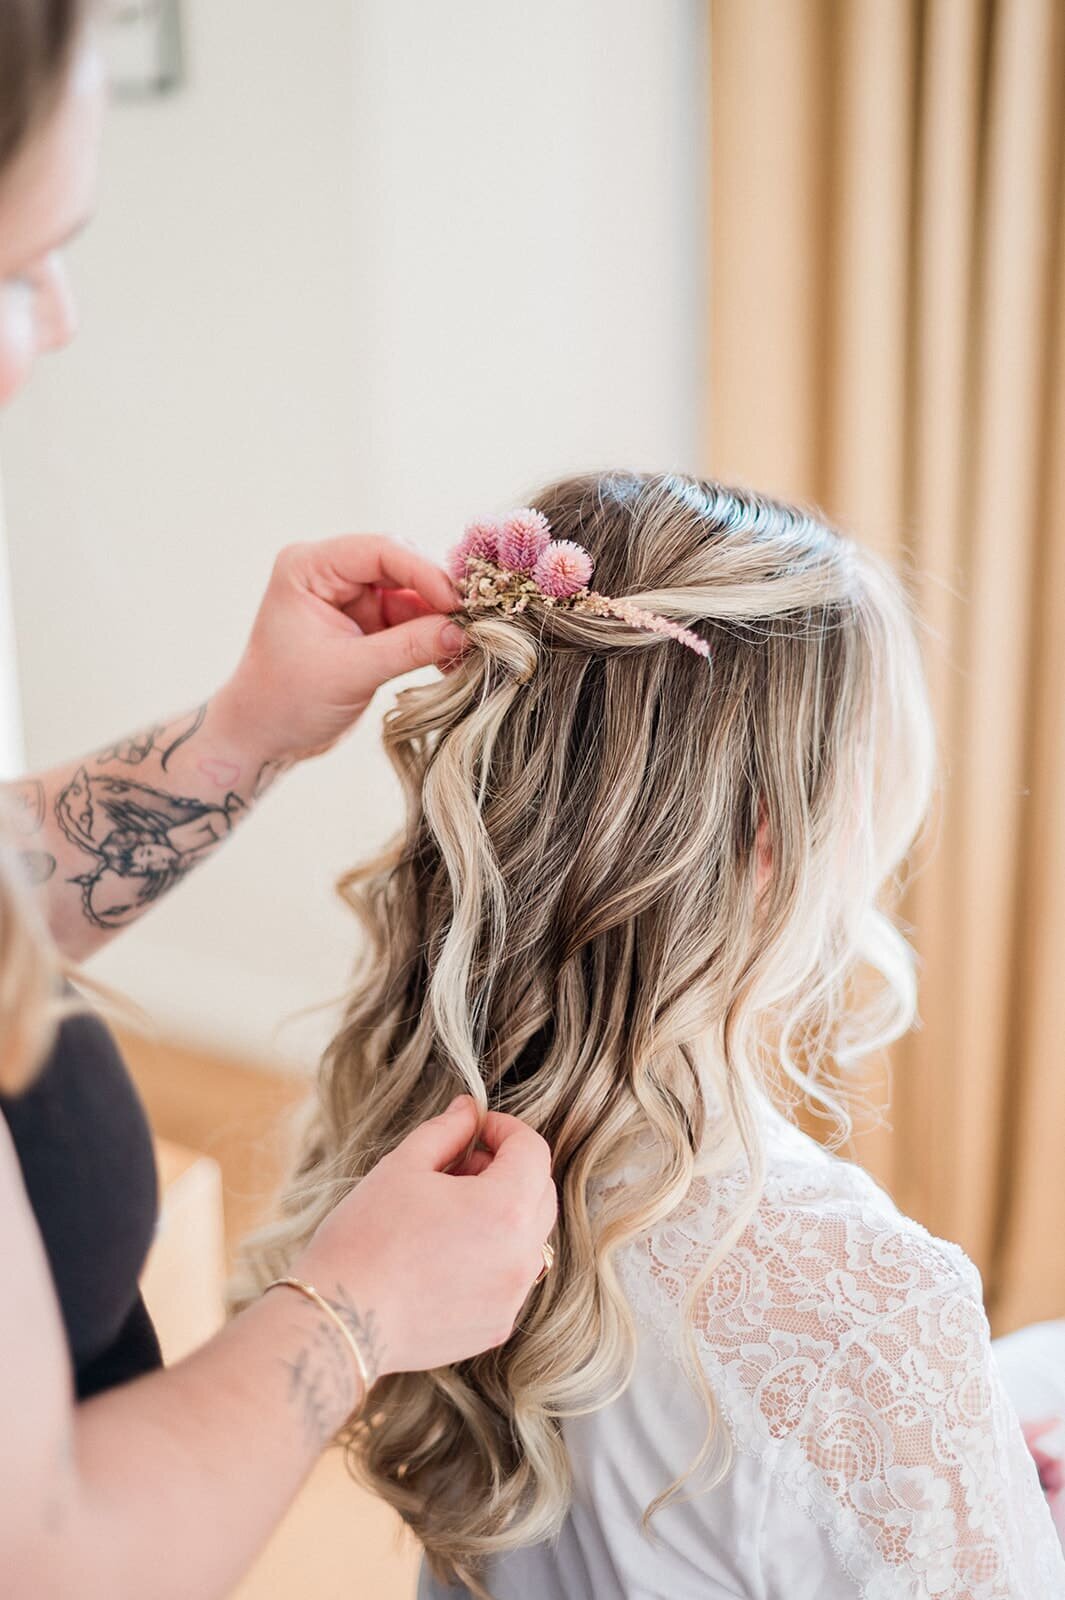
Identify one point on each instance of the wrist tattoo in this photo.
(268, 772)
(143, 840)
(363, 1330)
(165, 738)
(223, 774)
(323, 1383)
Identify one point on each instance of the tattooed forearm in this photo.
(143, 839)
(106, 837)
(322, 1383)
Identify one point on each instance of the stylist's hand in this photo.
(339, 619)
(437, 1267)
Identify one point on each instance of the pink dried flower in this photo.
(480, 540)
(562, 568)
(637, 617)
(524, 535)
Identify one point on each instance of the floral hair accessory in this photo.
(503, 563)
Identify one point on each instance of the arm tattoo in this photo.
(26, 810)
(322, 1383)
(27, 806)
(39, 866)
(267, 773)
(164, 738)
(363, 1330)
(143, 840)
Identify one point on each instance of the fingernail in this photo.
(452, 637)
(457, 1100)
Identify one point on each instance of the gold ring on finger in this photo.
(547, 1251)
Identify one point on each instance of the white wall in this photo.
(379, 265)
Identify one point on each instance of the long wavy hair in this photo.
(572, 925)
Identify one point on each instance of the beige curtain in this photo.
(887, 339)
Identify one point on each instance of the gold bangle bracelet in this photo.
(311, 1293)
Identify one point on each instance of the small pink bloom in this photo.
(524, 535)
(562, 568)
(480, 540)
(455, 561)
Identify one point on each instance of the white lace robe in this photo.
(875, 1452)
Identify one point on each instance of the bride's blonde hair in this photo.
(571, 925)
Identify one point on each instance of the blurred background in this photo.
(380, 265)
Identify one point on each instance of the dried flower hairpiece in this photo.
(503, 563)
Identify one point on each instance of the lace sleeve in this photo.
(851, 1358)
(910, 1455)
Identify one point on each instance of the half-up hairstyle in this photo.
(573, 927)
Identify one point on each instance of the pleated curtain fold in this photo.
(887, 340)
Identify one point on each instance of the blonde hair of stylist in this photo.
(118, 1478)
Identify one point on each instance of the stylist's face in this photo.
(46, 196)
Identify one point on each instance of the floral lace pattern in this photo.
(850, 1356)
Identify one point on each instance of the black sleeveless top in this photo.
(87, 1162)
